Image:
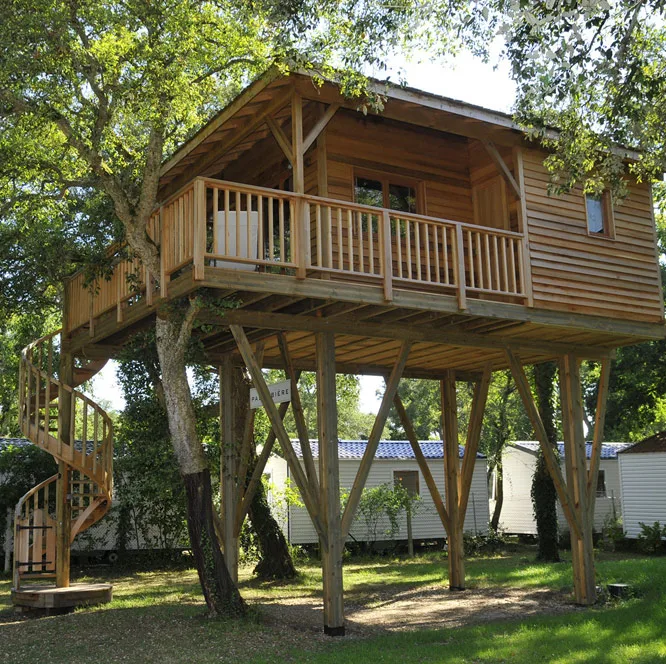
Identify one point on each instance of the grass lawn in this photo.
(158, 617)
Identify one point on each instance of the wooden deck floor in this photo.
(50, 597)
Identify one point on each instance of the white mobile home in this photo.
(519, 462)
(643, 482)
(394, 459)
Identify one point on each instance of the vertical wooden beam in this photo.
(199, 227)
(329, 479)
(322, 191)
(63, 486)
(452, 472)
(473, 438)
(63, 525)
(298, 175)
(373, 441)
(421, 460)
(228, 470)
(599, 420)
(524, 225)
(582, 551)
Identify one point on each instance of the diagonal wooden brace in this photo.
(552, 462)
(311, 503)
(373, 441)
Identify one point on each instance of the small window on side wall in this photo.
(599, 212)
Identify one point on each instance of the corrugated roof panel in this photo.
(608, 450)
(387, 449)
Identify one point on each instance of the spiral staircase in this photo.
(79, 434)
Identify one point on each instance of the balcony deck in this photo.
(461, 293)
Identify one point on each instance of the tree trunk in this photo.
(276, 561)
(544, 494)
(499, 496)
(221, 595)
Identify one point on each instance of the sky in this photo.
(467, 79)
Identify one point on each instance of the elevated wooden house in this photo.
(420, 241)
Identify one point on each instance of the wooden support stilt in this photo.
(229, 456)
(329, 479)
(582, 551)
(63, 487)
(599, 420)
(452, 472)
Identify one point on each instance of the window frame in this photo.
(387, 179)
(398, 480)
(607, 216)
(601, 492)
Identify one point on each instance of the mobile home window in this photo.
(383, 192)
(409, 479)
(599, 211)
(601, 484)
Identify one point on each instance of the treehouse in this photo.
(419, 241)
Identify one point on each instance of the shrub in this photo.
(650, 540)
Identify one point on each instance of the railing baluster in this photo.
(427, 251)
(417, 249)
(445, 251)
(216, 206)
(281, 229)
(261, 252)
(371, 241)
(409, 249)
(398, 239)
(512, 271)
(319, 238)
(341, 248)
(498, 284)
(271, 230)
(459, 268)
(361, 253)
(505, 274)
(227, 225)
(470, 253)
(350, 240)
(329, 235)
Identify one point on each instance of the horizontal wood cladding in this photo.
(440, 161)
(574, 271)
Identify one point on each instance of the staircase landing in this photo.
(50, 597)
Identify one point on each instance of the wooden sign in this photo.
(280, 392)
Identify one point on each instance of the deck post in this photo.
(329, 482)
(452, 481)
(228, 471)
(582, 551)
(63, 486)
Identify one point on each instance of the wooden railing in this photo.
(230, 225)
(74, 429)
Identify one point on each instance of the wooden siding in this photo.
(425, 523)
(573, 271)
(517, 515)
(643, 490)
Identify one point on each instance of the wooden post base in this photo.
(334, 631)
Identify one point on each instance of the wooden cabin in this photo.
(394, 462)
(417, 241)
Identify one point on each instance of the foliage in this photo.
(492, 543)
(384, 504)
(595, 71)
(651, 538)
(612, 532)
(543, 492)
(21, 468)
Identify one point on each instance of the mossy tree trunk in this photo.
(221, 595)
(544, 494)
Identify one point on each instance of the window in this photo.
(601, 484)
(409, 479)
(386, 192)
(599, 211)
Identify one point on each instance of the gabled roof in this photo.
(656, 443)
(608, 450)
(387, 449)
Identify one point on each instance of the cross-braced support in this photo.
(577, 494)
(458, 480)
